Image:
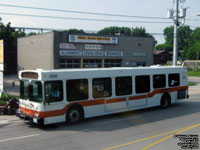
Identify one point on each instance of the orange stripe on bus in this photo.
(53, 113)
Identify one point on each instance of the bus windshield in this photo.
(31, 90)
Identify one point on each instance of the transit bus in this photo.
(53, 96)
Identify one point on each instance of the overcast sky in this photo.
(148, 8)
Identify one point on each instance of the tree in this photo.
(9, 35)
(183, 33)
(192, 49)
(164, 46)
(114, 29)
(75, 31)
(140, 31)
(31, 33)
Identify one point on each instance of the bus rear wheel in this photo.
(74, 115)
(165, 101)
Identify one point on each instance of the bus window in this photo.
(53, 91)
(123, 85)
(159, 81)
(24, 90)
(173, 80)
(101, 87)
(142, 84)
(35, 91)
(77, 89)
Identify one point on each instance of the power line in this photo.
(81, 12)
(81, 19)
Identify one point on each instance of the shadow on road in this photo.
(128, 119)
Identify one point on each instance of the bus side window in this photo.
(77, 90)
(123, 85)
(101, 87)
(53, 91)
(173, 80)
(142, 84)
(159, 81)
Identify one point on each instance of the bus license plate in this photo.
(34, 120)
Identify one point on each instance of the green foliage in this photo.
(192, 49)
(140, 31)
(114, 29)
(164, 46)
(183, 34)
(194, 73)
(75, 31)
(10, 35)
(31, 33)
(4, 98)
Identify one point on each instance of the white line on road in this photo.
(17, 138)
(9, 121)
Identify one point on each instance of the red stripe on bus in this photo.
(53, 113)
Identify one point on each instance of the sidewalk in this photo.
(11, 85)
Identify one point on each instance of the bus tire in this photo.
(74, 115)
(165, 101)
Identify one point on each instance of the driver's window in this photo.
(53, 91)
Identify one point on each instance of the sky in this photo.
(147, 8)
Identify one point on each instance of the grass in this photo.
(191, 84)
(4, 98)
(194, 73)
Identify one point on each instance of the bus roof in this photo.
(95, 72)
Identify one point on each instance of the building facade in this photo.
(55, 50)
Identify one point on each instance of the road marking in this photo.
(170, 136)
(148, 138)
(17, 138)
(9, 121)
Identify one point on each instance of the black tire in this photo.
(74, 115)
(165, 101)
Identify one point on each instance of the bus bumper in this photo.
(39, 121)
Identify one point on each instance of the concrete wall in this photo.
(36, 51)
(136, 49)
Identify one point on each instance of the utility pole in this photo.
(176, 16)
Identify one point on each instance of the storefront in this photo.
(56, 50)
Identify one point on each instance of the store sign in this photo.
(92, 53)
(92, 39)
(70, 53)
(114, 53)
(67, 46)
(93, 47)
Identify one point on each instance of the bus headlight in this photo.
(36, 114)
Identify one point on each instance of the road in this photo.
(151, 129)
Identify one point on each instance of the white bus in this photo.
(52, 96)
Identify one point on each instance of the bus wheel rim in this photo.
(74, 115)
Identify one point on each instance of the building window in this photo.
(77, 90)
(123, 85)
(69, 63)
(173, 80)
(53, 91)
(92, 63)
(159, 81)
(101, 87)
(112, 63)
(141, 64)
(142, 84)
